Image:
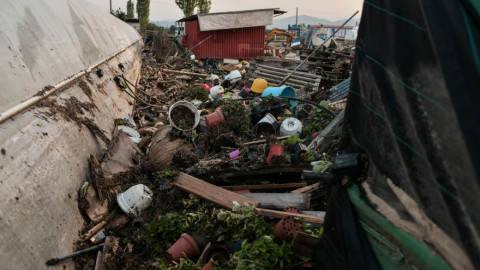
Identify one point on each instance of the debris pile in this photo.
(210, 171)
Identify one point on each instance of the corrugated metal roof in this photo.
(339, 91)
(276, 11)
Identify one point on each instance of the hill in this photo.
(283, 23)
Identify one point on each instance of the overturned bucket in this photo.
(291, 127)
(135, 199)
(183, 115)
(267, 125)
(282, 91)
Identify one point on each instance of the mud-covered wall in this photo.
(44, 42)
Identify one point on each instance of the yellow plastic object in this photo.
(259, 85)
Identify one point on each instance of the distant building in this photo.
(236, 34)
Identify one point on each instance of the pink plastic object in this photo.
(234, 154)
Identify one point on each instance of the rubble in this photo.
(211, 165)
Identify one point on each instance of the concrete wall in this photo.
(43, 42)
(44, 159)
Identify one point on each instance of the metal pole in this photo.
(74, 254)
(296, 18)
(305, 60)
(111, 7)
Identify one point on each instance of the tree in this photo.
(130, 9)
(119, 14)
(204, 6)
(187, 6)
(143, 12)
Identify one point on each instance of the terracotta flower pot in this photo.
(214, 119)
(285, 229)
(275, 150)
(208, 266)
(185, 247)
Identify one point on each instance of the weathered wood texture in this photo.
(306, 189)
(210, 192)
(281, 214)
(266, 186)
(280, 200)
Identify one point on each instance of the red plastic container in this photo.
(292, 209)
(185, 247)
(274, 150)
(214, 119)
(286, 228)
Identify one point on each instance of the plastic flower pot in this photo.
(299, 148)
(206, 86)
(290, 127)
(292, 209)
(185, 247)
(216, 252)
(274, 150)
(267, 125)
(214, 119)
(183, 111)
(285, 229)
(282, 91)
(135, 199)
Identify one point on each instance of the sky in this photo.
(161, 10)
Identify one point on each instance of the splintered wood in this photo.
(210, 192)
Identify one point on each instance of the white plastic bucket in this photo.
(190, 107)
(290, 127)
(135, 199)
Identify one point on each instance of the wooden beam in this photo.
(306, 189)
(281, 214)
(280, 200)
(266, 186)
(210, 192)
(185, 73)
(264, 140)
(262, 171)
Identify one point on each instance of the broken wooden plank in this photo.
(264, 140)
(306, 189)
(185, 73)
(262, 171)
(210, 192)
(320, 214)
(319, 140)
(281, 214)
(288, 71)
(93, 230)
(304, 244)
(280, 200)
(266, 186)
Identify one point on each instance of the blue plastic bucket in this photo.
(282, 91)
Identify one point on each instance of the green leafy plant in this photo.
(291, 141)
(166, 174)
(198, 92)
(262, 254)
